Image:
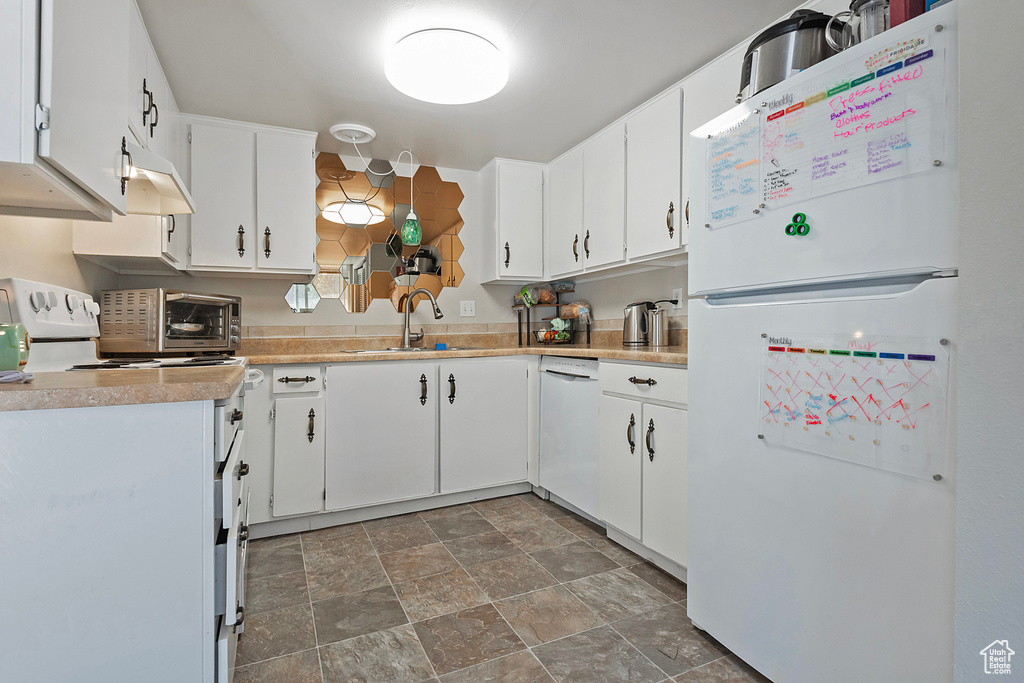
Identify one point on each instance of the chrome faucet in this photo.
(407, 336)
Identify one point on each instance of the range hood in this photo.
(155, 188)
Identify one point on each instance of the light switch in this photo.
(468, 309)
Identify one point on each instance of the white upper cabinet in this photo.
(513, 193)
(285, 201)
(81, 83)
(604, 198)
(254, 191)
(654, 205)
(223, 164)
(563, 246)
(152, 112)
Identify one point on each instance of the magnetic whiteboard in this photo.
(864, 122)
(877, 401)
(733, 176)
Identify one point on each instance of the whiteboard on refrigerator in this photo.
(861, 122)
(877, 401)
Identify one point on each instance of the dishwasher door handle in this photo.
(569, 374)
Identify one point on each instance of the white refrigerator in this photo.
(823, 356)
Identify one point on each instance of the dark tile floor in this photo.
(514, 590)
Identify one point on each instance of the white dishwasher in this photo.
(569, 395)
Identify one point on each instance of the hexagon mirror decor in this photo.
(302, 297)
(361, 254)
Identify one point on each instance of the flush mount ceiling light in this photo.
(446, 66)
(353, 213)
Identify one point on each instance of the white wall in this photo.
(989, 590)
(609, 297)
(40, 249)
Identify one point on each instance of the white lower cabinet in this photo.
(381, 433)
(484, 430)
(299, 435)
(642, 476)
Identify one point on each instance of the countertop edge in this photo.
(666, 355)
(46, 393)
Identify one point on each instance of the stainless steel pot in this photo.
(785, 49)
(865, 19)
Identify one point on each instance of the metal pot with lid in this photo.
(785, 49)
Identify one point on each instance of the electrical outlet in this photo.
(468, 309)
(680, 298)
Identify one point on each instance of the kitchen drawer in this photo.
(227, 486)
(644, 382)
(227, 420)
(230, 554)
(224, 652)
(297, 379)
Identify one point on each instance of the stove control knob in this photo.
(234, 329)
(51, 300)
(37, 300)
(92, 308)
(72, 302)
(234, 339)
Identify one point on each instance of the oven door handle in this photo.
(205, 298)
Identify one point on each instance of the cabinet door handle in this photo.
(147, 106)
(649, 381)
(451, 392)
(508, 254)
(650, 433)
(575, 251)
(289, 380)
(629, 433)
(586, 244)
(668, 219)
(266, 242)
(423, 390)
(170, 230)
(687, 212)
(312, 420)
(241, 241)
(126, 169)
(156, 118)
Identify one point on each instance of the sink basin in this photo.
(464, 348)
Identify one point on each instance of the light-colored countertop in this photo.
(675, 355)
(89, 388)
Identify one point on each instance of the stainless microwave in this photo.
(152, 321)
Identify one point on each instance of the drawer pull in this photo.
(649, 381)
(312, 420)
(629, 433)
(650, 433)
(236, 416)
(423, 390)
(289, 380)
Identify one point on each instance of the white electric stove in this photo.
(64, 324)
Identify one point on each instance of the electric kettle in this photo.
(636, 328)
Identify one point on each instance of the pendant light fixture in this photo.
(446, 66)
(411, 234)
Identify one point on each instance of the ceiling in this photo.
(575, 66)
